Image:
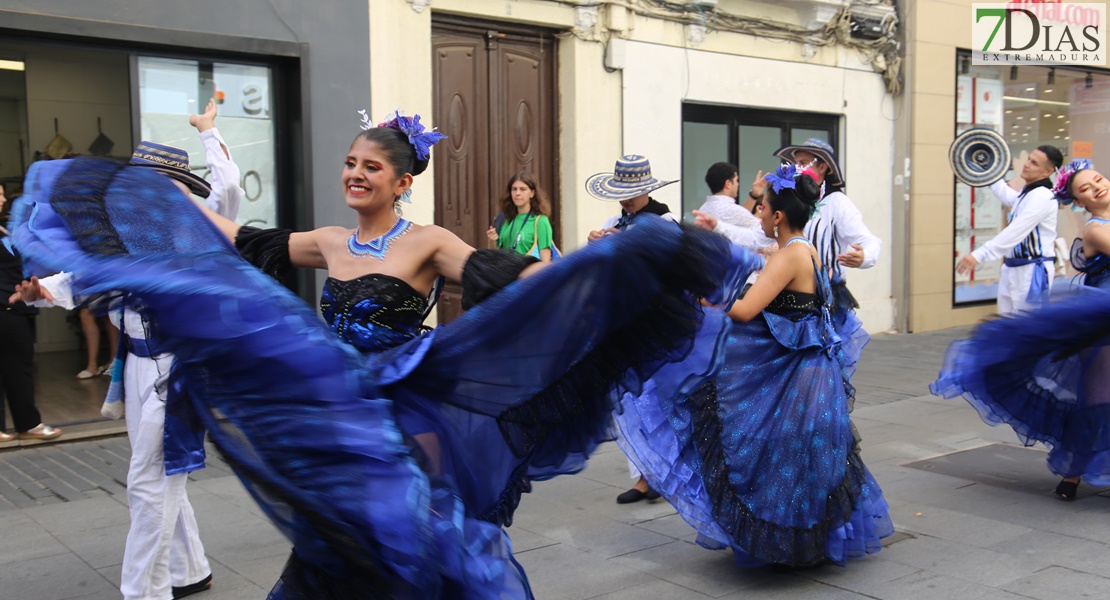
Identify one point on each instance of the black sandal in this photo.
(1067, 490)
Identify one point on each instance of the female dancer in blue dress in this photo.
(392, 458)
(1044, 372)
(762, 459)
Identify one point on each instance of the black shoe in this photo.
(192, 588)
(1067, 490)
(633, 495)
(651, 495)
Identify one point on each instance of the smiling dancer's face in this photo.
(369, 180)
(1091, 190)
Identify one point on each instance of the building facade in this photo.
(561, 88)
(1031, 105)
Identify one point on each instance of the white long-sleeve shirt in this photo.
(1032, 229)
(837, 225)
(736, 223)
(224, 174)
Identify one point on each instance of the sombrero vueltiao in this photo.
(979, 156)
(172, 161)
(631, 177)
(822, 150)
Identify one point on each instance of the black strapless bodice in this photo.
(374, 312)
(789, 302)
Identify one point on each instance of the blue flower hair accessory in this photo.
(421, 139)
(1062, 190)
(785, 177)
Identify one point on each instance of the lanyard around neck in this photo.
(520, 230)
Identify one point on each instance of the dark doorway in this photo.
(494, 98)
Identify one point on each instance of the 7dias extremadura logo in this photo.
(1039, 33)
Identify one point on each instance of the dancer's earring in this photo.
(776, 231)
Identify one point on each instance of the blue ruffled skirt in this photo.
(1046, 374)
(761, 459)
(322, 437)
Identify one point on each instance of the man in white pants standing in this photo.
(1027, 244)
(163, 556)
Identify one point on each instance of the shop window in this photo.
(1031, 106)
(171, 89)
(745, 137)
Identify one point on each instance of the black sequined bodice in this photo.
(792, 303)
(374, 312)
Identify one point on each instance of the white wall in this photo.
(655, 86)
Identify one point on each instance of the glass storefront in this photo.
(172, 89)
(1031, 106)
(745, 137)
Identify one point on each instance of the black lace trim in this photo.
(487, 271)
(842, 298)
(788, 302)
(501, 513)
(78, 198)
(267, 249)
(764, 540)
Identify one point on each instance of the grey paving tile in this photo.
(24, 539)
(1054, 583)
(60, 577)
(970, 563)
(860, 573)
(524, 540)
(92, 513)
(793, 588)
(710, 572)
(670, 525)
(564, 573)
(656, 590)
(925, 585)
(606, 538)
(99, 548)
(262, 572)
(1060, 550)
(955, 526)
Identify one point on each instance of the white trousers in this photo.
(163, 545)
(1013, 287)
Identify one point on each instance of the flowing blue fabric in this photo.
(393, 473)
(1044, 373)
(762, 458)
(853, 337)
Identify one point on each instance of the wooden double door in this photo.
(495, 99)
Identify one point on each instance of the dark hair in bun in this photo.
(797, 204)
(398, 151)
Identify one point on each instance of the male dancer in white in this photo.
(730, 219)
(163, 556)
(1028, 244)
(837, 231)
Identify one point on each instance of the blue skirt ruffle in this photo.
(761, 459)
(1044, 373)
(325, 439)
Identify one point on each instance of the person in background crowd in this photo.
(524, 225)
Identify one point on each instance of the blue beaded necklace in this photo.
(378, 246)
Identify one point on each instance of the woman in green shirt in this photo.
(524, 224)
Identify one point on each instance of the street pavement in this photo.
(973, 510)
